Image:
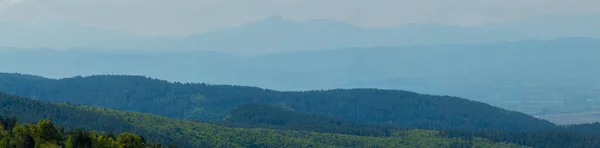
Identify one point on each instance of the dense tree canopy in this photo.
(588, 128)
(255, 125)
(44, 134)
(543, 139)
(214, 102)
(68, 116)
(256, 117)
(186, 133)
(269, 116)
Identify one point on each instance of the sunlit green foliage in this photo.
(127, 140)
(44, 134)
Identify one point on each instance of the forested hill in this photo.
(70, 117)
(214, 102)
(269, 116)
(183, 133)
(252, 115)
(45, 134)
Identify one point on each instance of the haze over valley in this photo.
(553, 76)
(299, 73)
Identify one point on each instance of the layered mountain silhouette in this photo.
(537, 70)
(276, 34)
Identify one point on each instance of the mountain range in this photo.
(279, 35)
(547, 78)
(277, 82)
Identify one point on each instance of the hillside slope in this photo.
(269, 116)
(253, 115)
(214, 102)
(45, 134)
(195, 134)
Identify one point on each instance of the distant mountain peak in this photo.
(275, 18)
(279, 20)
(271, 20)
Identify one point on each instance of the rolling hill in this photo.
(270, 116)
(261, 131)
(214, 102)
(195, 134)
(252, 115)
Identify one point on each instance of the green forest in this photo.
(214, 102)
(95, 114)
(253, 115)
(45, 134)
(186, 133)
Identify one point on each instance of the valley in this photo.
(476, 72)
(299, 74)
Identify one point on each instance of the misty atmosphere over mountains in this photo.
(326, 54)
(278, 35)
(299, 73)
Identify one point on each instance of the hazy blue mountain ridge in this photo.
(559, 76)
(277, 35)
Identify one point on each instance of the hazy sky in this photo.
(180, 17)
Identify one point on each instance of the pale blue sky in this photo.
(182, 17)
